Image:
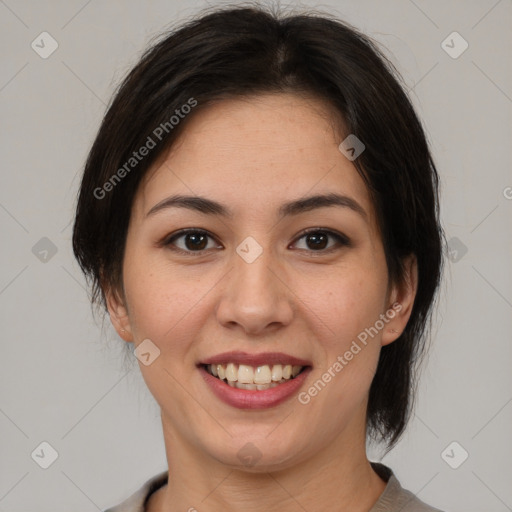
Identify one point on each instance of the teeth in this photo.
(231, 372)
(277, 373)
(263, 375)
(248, 377)
(259, 387)
(245, 374)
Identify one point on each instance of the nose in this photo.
(255, 296)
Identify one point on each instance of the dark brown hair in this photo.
(248, 50)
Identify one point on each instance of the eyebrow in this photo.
(296, 207)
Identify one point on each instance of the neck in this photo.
(338, 478)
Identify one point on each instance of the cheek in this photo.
(341, 314)
(345, 303)
(165, 310)
(165, 303)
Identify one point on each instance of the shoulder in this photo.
(136, 502)
(395, 497)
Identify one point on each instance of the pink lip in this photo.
(239, 357)
(254, 399)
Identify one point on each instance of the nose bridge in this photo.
(254, 297)
(254, 272)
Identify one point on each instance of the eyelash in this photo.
(342, 240)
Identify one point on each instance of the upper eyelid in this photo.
(186, 231)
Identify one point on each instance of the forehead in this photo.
(252, 153)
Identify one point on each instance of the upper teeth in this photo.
(245, 374)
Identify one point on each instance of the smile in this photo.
(248, 377)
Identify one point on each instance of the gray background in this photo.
(62, 376)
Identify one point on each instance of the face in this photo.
(263, 277)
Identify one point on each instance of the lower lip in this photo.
(254, 399)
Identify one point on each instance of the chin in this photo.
(258, 455)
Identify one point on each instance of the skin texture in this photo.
(252, 155)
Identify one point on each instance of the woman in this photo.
(259, 216)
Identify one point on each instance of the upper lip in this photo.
(261, 359)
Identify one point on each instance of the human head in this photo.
(242, 52)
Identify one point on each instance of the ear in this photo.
(401, 301)
(118, 313)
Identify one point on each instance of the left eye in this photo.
(318, 238)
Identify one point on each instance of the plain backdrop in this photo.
(63, 378)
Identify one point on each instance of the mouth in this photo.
(254, 381)
(262, 377)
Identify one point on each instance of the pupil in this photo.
(196, 239)
(317, 242)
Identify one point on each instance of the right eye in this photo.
(193, 241)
